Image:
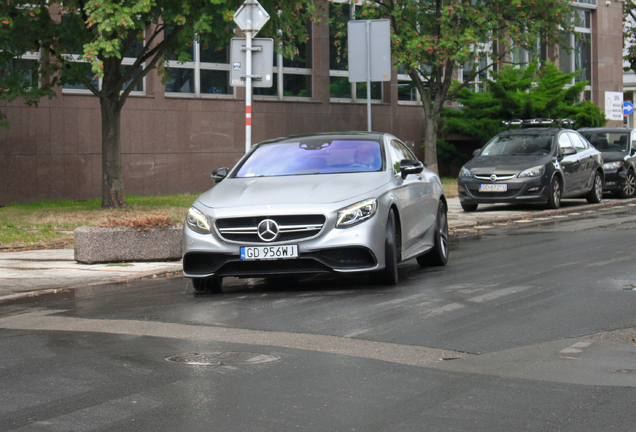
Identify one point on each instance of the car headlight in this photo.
(537, 171)
(198, 221)
(465, 172)
(356, 213)
(612, 165)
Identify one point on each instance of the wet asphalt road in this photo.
(528, 328)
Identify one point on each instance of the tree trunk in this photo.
(431, 122)
(112, 177)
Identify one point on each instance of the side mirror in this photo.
(567, 151)
(219, 174)
(410, 166)
(633, 152)
(477, 152)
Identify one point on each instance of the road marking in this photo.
(396, 353)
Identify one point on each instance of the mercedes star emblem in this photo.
(268, 230)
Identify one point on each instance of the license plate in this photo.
(250, 253)
(493, 187)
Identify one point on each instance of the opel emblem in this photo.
(268, 230)
(493, 178)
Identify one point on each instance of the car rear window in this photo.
(313, 157)
(530, 144)
(608, 141)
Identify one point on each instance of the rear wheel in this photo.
(596, 194)
(211, 285)
(469, 207)
(629, 187)
(438, 256)
(389, 276)
(554, 197)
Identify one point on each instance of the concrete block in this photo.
(119, 244)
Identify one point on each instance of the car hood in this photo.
(309, 189)
(613, 156)
(506, 164)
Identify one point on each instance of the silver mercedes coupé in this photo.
(349, 202)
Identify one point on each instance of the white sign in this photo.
(614, 105)
(369, 50)
(251, 16)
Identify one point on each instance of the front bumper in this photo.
(356, 249)
(531, 190)
(614, 180)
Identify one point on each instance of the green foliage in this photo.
(524, 93)
(447, 153)
(431, 40)
(629, 33)
(99, 33)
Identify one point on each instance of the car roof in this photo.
(606, 129)
(370, 136)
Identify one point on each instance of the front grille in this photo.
(264, 268)
(293, 227)
(507, 194)
(500, 177)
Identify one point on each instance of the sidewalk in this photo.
(36, 272)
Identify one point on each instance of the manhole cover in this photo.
(222, 358)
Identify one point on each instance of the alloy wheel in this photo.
(630, 184)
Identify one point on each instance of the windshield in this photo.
(530, 144)
(608, 141)
(315, 157)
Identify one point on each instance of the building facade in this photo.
(175, 134)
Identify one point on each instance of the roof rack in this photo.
(539, 122)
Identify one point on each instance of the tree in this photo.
(80, 41)
(629, 33)
(432, 39)
(523, 93)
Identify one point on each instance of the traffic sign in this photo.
(262, 62)
(251, 16)
(628, 107)
(369, 50)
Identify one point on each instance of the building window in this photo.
(341, 90)
(576, 52)
(206, 75)
(293, 77)
(478, 82)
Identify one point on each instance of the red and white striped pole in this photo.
(248, 87)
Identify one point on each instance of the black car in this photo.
(619, 157)
(541, 163)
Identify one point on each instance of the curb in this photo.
(85, 289)
(545, 213)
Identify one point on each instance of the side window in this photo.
(564, 141)
(397, 154)
(408, 154)
(579, 144)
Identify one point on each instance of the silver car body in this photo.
(415, 200)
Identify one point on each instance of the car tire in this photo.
(213, 285)
(629, 186)
(438, 256)
(596, 194)
(389, 276)
(555, 192)
(469, 207)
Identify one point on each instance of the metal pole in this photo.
(248, 86)
(369, 76)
